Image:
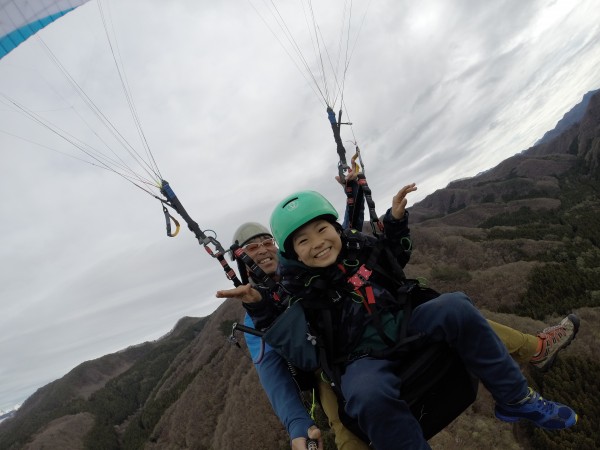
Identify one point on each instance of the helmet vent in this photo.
(291, 204)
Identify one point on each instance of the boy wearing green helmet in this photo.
(257, 241)
(320, 262)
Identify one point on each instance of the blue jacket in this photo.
(279, 385)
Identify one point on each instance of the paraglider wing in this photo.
(20, 19)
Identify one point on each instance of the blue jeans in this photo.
(372, 390)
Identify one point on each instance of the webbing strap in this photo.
(353, 217)
(203, 239)
(353, 204)
(360, 278)
(168, 219)
(343, 167)
(376, 224)
(326, 350)
(355, 208)
(350, 204)
(370, 295)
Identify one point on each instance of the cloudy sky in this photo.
(436, 91)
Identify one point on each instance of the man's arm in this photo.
(264, 312)
(395, 222)
(279, 385)
(397, 235)
(257, 301)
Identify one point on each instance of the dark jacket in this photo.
(336, 312)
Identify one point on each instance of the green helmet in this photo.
(249, 230)
(297, 210)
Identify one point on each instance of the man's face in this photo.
(317, 244)
(263, 251)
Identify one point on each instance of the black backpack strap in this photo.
(360, 280)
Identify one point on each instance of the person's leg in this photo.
(372, 393)
(539, 350)
(344, 438)
(452, 318)
(521, 346)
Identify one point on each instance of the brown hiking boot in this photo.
(555, 339)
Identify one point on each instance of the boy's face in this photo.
(317, 243)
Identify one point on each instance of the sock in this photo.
(540, 345)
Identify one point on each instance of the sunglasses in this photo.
(267, 243)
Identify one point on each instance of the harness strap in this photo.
(351, 203)
(364, 272)
(326, 353)
(341, 151)
(376, 224)
(403, 331)
(360, 283)
(203, 239)
(259, 274)
(168, 219)
(360, 280)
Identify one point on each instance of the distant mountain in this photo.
(7, 415)
(190, 389)
(569, 119)
(532, 174)
(522, 239)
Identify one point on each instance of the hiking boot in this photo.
(543, 413)
(555, 339)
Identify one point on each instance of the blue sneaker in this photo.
(543, 413)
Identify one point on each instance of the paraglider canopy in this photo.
(19, 20)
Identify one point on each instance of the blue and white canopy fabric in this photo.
(19, 19)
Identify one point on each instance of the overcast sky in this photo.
(436, 91)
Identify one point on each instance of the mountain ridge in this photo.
(532, 171)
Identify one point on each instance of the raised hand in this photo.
(399, 201)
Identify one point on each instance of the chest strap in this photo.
(360, 279)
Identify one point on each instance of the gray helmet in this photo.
(249, 230)
(246, 232)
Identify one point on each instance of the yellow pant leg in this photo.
(521, 346)
(344, 438)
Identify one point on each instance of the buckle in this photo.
(353, 245)
(360, 277)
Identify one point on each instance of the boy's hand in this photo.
(399, 201)
(246, 293)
